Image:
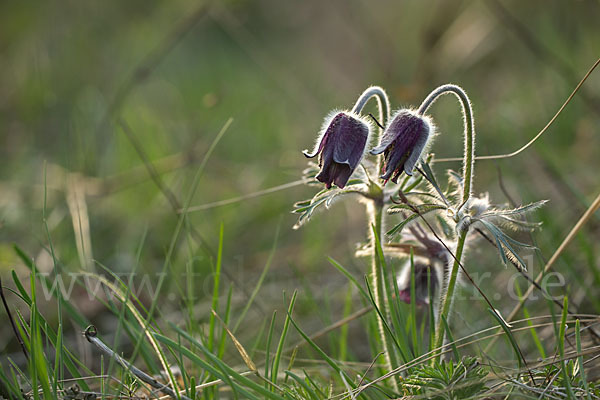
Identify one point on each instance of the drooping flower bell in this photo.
(403, 143)
(340, 146)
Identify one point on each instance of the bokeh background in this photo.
(90, 91)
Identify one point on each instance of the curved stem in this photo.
(383, 104)
(375, 215)
(468, 166)
(469, 154)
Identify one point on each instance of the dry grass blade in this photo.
(249, 363)
(203, 386)
(169, 195)
(91, 336)
(582, 221)
(248, 196)
(545, 53)
(362, 379)
(540, 133)
(584, 218)
(80, 219)
(145, 326)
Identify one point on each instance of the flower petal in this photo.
(319, 147)
(343, 173)
(349, 144)
(328, 167)
(403, 141)
(394, 161)
(345, 136)
(417, 151)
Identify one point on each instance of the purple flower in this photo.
(403, 143)
(340, 147)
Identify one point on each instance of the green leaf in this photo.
(451, 339)
(301, 382)
(280, 346)
(324, 355)
(561, 348)
(325, 198)
(502, 243)
(216, 367)
(258, 285)
(447, 380)
(423, 210)
(351, 278)
(430, 176)
(386, 325)
(516, 211)
(509, 336)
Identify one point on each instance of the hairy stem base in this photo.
(375, 213)
(447, 300)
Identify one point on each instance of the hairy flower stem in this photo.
(468, 166)
(375, 213)
(469, 153)
(383, 104)
(447, 296)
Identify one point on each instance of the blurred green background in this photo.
(73, 73)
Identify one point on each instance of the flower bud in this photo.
(403, 143)
(340, 146)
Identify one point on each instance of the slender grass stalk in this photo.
(561, 349)
(215, 298)
(343, 336)
(268, 347)
(468, 166)
(284, 332)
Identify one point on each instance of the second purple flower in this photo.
(403, 143)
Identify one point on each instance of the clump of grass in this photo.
(414, 334)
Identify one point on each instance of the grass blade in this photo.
(580, 360)
(451, 340)
(561, 348)
(281, 343)
(301, 382)
(350, 277)
(215, 296)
